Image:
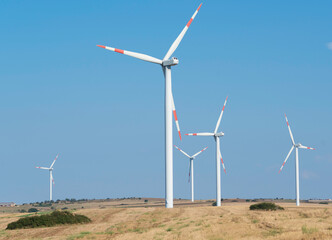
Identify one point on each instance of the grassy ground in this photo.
(186, 221)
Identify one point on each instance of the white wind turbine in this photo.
(51, 175)
(296, 146)
(191, 168)
(166, 65)
(216, 136)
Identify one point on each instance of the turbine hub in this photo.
(171, 62)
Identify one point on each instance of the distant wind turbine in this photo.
(216, 135)
(191, 168)
(51, 175)
(296, 146)
(166, 63)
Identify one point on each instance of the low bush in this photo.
(266, 206)
(49, 220)
(33, 210)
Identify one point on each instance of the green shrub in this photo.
(49, 220)
(214, 204)
(266, 206)
(33, 210)
(146, 200)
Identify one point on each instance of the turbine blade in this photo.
(286, 158)
(219, 153)
(196, 154)
(200, 134)
(43, 168)
(290, 132)
(307, 147)
(182, 151)
(141, 56)
(54, 160)
(176, 118)
(52, 177)
(181, 35)
(222, 162)
(189, 171)
(222, 112)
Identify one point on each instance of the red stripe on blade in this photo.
(199, 7)
(175, 117)
(194, 134)
(101, 46)
(118, 50)
(188, 24)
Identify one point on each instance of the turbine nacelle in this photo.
(220, 134)
(171, 62)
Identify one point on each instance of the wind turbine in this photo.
(296, 146)
(51, 175)
(191, 168)
(166, 65)
(216, 135)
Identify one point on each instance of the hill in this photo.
(138, 219)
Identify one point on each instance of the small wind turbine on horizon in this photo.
(191, 168)
(216, 135)
(166, 65)
(50, 169)
(296, 146)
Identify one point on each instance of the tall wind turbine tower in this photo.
(191, 168)
(296, 146)
(216, 135)
(50, 169)
(166, 63)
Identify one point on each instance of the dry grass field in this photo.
(129, 219)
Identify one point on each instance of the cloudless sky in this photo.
(104, 112)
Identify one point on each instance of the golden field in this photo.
(134, 219)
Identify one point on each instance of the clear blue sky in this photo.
(104, 112)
